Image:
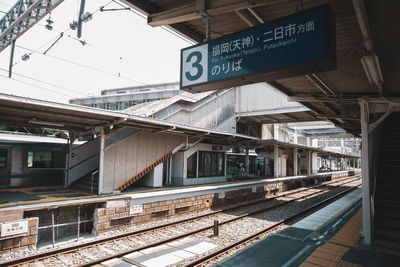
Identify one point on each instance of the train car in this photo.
(29, 160)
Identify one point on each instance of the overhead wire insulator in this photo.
(86, 16)
(73, 25)
(25, 57)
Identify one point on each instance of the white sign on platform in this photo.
(115, 203)
(221, 195)
(14, 228)
(265, 187)
(254, 189)
(135, 209)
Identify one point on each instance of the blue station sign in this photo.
(296, 45)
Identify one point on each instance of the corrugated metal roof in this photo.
(30, 112)
(150, 108)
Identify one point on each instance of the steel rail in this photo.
(119, 255)
(215, 254)
(124, 235)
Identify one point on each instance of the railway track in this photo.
(218, 254)
(101, 250)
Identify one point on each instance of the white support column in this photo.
(366, 204)
(276, 131)
(295, 167)
(67, 163)
(170, 170)
(309, 161)
(276, 158)
(342, 145)
(247, 162)
(295, 139)
(101, 163)
(314, 162)
(197, 164)
(308, 141)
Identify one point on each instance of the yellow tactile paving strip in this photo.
(330, 254)
(46, 196)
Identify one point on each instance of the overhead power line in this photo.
(47, 83)
(80, 64)
(34, 85)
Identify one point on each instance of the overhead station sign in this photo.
(296, 45)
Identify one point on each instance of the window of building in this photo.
(191, 166)
(46, 159)
(211, 164)
(3, 158)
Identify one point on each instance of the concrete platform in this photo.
(328, 237)
(45, 197)
(104, 213)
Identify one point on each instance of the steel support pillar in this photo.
(366, 202)
(101, 163)
(247, 162)
(68, 163)
(276, 158)
(309, 162)
(295, 167)
(170, 170)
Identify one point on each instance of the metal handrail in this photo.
(373, 199)
(93, 174)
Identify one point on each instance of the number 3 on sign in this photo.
(194, 64)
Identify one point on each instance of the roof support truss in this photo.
(189, 12)
(22, 16)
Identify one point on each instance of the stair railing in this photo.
(91, 185)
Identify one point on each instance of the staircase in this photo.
(85, 183)
(143, 172)
(387, 193)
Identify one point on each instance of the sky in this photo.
(121, 50)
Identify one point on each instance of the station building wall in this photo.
(181, 161)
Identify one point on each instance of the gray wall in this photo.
(214, 114)
(259, 97)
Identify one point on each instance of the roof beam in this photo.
(290, 116)
(215, 8)
(143, 6)
(269, 119)
(339, 117)
(147, 9)
(187, 32)
(50, 115)
(243, 17)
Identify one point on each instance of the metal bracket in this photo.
(373, 125)
(201, 10)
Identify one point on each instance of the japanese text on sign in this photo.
(14, 228)
(135, 209)
(296, 39)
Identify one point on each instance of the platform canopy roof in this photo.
(367, 40)
(267, 144)
(28, 112)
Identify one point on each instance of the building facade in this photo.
(122, 98)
